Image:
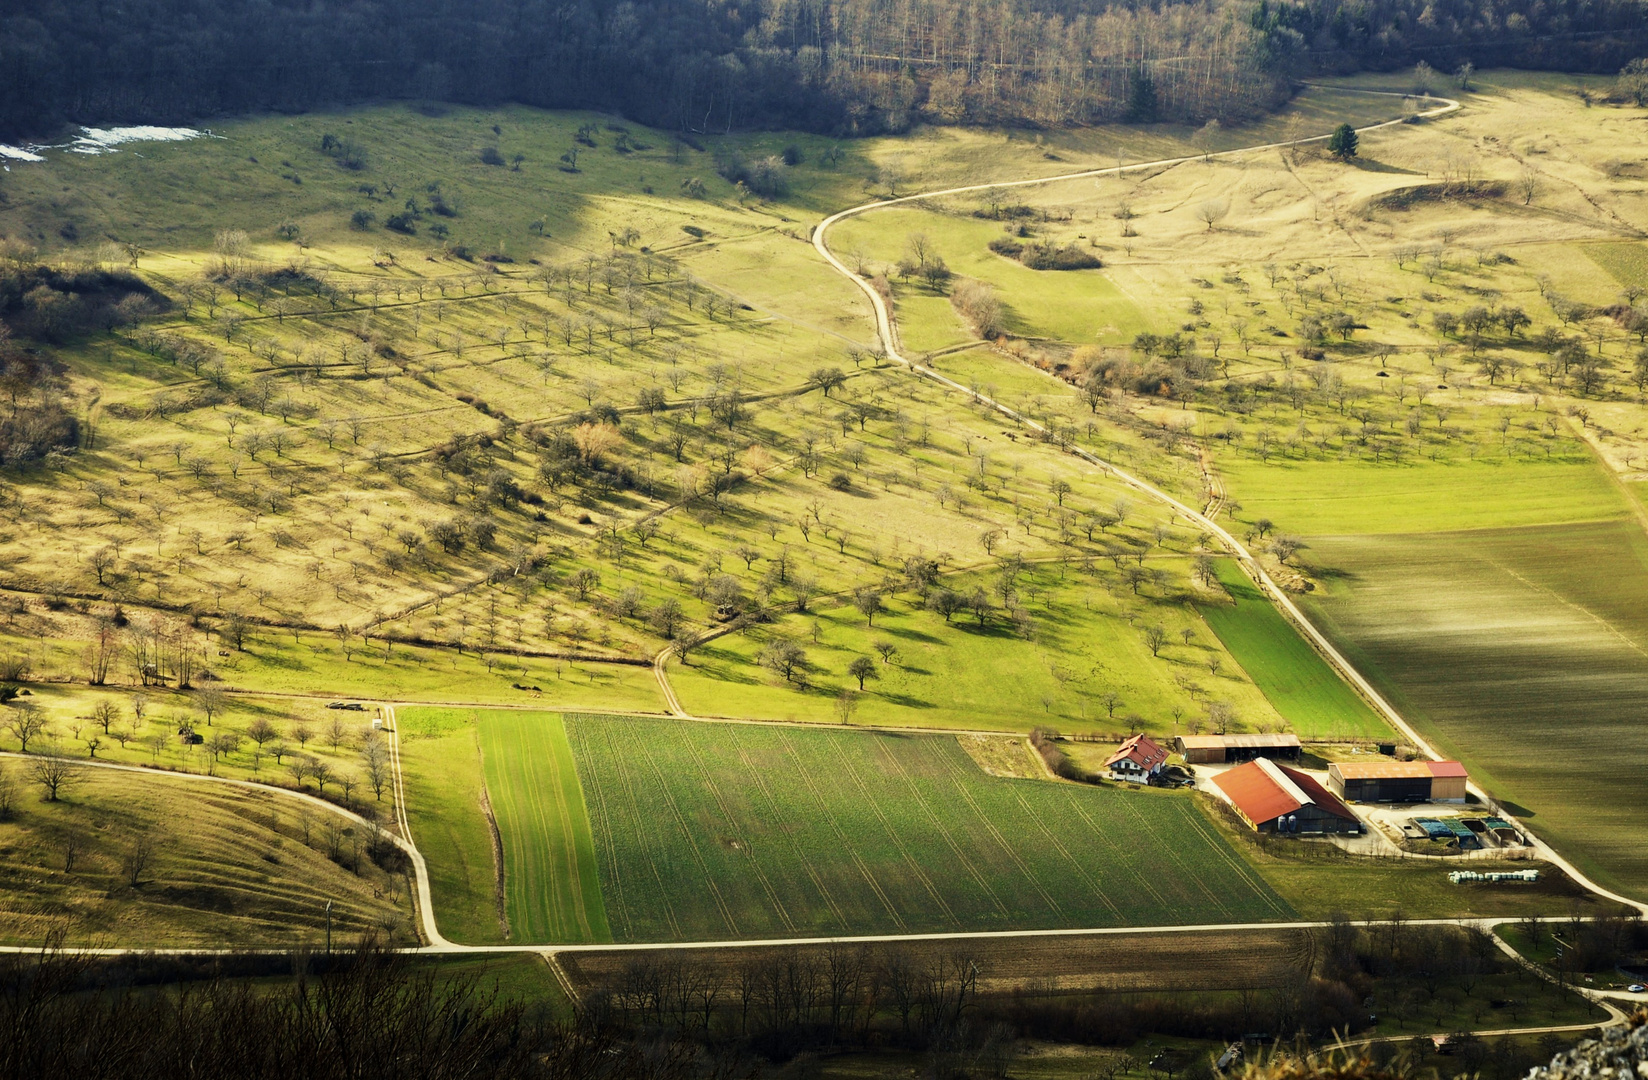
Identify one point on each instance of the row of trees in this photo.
(836, 65)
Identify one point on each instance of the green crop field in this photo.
(1335, 498)
(1292, 675)
(552, 891)
(710, 831)
(1510, 646)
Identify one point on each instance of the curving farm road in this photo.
(886, 330)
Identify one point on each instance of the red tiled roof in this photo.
(1446, 768)
(1262, 793)
(1255, 794)
(1142, 750)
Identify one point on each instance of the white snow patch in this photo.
(104, 140)
(18, 153)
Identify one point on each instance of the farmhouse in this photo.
(1219, 749)
(1138, 759)
(1275, 798)
(1398, 781)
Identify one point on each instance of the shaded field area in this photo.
(157, 861)
(1261, 957)
(1515, 648)
(1298, 682)
(552, 891)
(709, 831)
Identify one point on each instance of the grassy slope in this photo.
(1087, 641)
(1297, 681)
(230, 868)
(441, 761)
(709, 831)
(552, 889)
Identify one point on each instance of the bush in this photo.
(402, 223)
(491, 156)
(841, 481)
(362, 219)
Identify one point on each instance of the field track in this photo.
(887, 331)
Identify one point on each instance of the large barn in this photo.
(1398, 781)
(1274, 798)
(1222, 749)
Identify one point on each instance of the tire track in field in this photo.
(1012, 852)
(692, 842)
(1240, 867)
(1053, 838)
(1123, 866)
(1186, 872)
(955, 849)
(732, 830)
(615, 877)
(563, 810)
(805, 863)
(892, 834)
(624, 777)
(848, 846)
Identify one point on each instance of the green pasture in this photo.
(552, 891)
(712, 831)
(1506, 646)
(1086, 640)
(1315, 701)
(1333, 498)
(1628, 262)
(441, 768)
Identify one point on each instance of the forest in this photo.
(842, 67)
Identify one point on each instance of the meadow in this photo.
(1294, 678)
(1083, 664)
(721, 831)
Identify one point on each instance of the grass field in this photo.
(1507, 645)
(1309, 694)
(709, 831)
(552, 890)
(1086, 640)
(225, 867)
(1337, 498)
(441, 763)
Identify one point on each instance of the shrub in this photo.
(841, 481)
(362, 219)
(491, 156)
(402, 223)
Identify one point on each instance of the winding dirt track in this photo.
(887, 331)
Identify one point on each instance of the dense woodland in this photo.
(840, 66)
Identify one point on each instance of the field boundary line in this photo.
(886, 329)
(805, 863)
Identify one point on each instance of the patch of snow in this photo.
(18, 153)
(104, 140)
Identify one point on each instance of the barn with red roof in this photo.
(1275, 798)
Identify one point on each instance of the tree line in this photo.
(842, 66)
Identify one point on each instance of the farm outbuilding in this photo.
(1398, 781)
(1138, 759)
(1222, 749)
(1275, 798)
